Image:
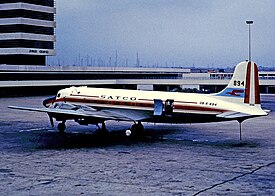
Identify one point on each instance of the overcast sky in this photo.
(164, 32)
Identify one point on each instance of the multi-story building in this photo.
(27, 31)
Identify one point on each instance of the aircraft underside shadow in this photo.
(51, 139)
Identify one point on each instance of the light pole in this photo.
(249, 22)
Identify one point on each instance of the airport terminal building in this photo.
(27, 31)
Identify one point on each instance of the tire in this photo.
(61, 127)
(137, 129)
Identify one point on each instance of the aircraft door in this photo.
(158, 107)
(169, 107)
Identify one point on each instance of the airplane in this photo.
(240, 100)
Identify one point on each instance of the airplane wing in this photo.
(69, 111)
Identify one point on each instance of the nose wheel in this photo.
(61, 127)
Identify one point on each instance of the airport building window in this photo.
(20, 43)
(36, 2)
(19, 28)
(26, 14)
(22, 60)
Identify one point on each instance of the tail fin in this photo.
(244, 85)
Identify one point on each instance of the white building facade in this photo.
(27, 31)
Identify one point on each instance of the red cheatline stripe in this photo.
(175, 101)
(199, 108)
(185, 102)
(106, 102)
(145, 99)
(137, 104)
(257, 88)
(247, 87)
(84, 96)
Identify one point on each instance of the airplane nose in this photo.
(47, 102)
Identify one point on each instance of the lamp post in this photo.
(249, 22)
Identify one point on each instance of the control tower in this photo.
(27, 31)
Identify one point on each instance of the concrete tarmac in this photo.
(196, 159)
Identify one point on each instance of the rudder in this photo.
(252, 89)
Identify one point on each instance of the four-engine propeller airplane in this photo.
(240, 100)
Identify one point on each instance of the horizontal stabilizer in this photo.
(233, 115)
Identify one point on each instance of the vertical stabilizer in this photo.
(244, 85)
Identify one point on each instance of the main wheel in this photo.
(103, 130)
(61, 127)
(137, 129)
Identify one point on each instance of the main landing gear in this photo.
(61, 127)
(102, 130)
(136, 129)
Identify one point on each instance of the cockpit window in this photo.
(58, 95)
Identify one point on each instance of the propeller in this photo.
(49, 101)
